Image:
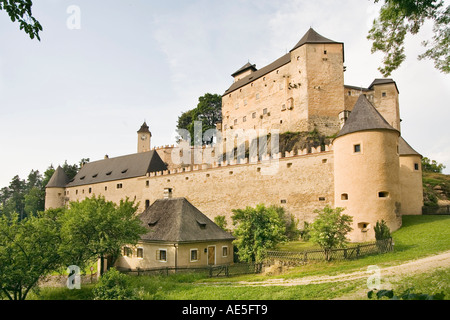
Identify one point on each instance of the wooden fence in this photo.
(211, 271)
(436, 210)
(351, 252)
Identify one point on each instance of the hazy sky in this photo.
(84, 92)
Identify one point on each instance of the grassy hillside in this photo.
(436, 189)
(420, 236)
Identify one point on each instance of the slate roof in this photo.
(124, 167)
(311, 36)
(259, 73)
(364, 117)
(59, 179)
(404, 149)
(177, 220)
(382, 81)
(245, 67)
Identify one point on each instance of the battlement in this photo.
(242, 161)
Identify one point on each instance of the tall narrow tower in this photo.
(144, 137)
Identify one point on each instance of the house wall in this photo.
(181, 252)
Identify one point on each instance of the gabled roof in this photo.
(404, 149)
(59, 179)
(311, 36)
(124, 167)
(259, 73)
(364, 117)
(245, 67)
(379, 81)
(177, 220)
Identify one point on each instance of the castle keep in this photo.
(368, 168)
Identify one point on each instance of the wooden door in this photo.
(211, 256)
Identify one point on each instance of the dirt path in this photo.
(405, 269)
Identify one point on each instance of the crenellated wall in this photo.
(300, 182)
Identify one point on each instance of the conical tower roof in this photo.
(311, 36)
(144, 129)
(364, 117)
(404, 149)
(59, 179)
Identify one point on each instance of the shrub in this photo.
(330, 228)
(114, 285)
(382, 231)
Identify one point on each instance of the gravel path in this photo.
(405, 269)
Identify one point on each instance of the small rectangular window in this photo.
(119, 186)
(321, 198)
(235, 121)
(161, 255)
(383, 94)
(253, 115)
(244, 119)
(416, 166)
(257, 96)
(194, 255)
(127, 252)
(140, 253)
(357, 148)
(147, 183)
(265, 111)
(283, 201)
(90, 190)
(383, 194)
(344, 196)
(224, 251)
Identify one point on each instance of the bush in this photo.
(114, 285)
(382, 231)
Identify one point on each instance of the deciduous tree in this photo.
(397, 18)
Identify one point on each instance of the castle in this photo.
(368, 169)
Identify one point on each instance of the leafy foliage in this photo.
(221, 222)
(382, 231)
(330, 228)
(429, 165)
(208, 111)
(20, 10)
(257, 229)
(27, 197)
(114, 285)
(406, 295)
(397, 18)
(29, 250)
(95, 228)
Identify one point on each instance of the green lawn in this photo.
(419, 236)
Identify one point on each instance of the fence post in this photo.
(357, 251)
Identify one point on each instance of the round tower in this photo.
(55, 189)
(410, 179)
(366, 171)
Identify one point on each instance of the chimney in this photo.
(167, 193)
(106, 156)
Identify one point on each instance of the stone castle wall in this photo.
(300, 183)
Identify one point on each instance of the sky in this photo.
(104, 67)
